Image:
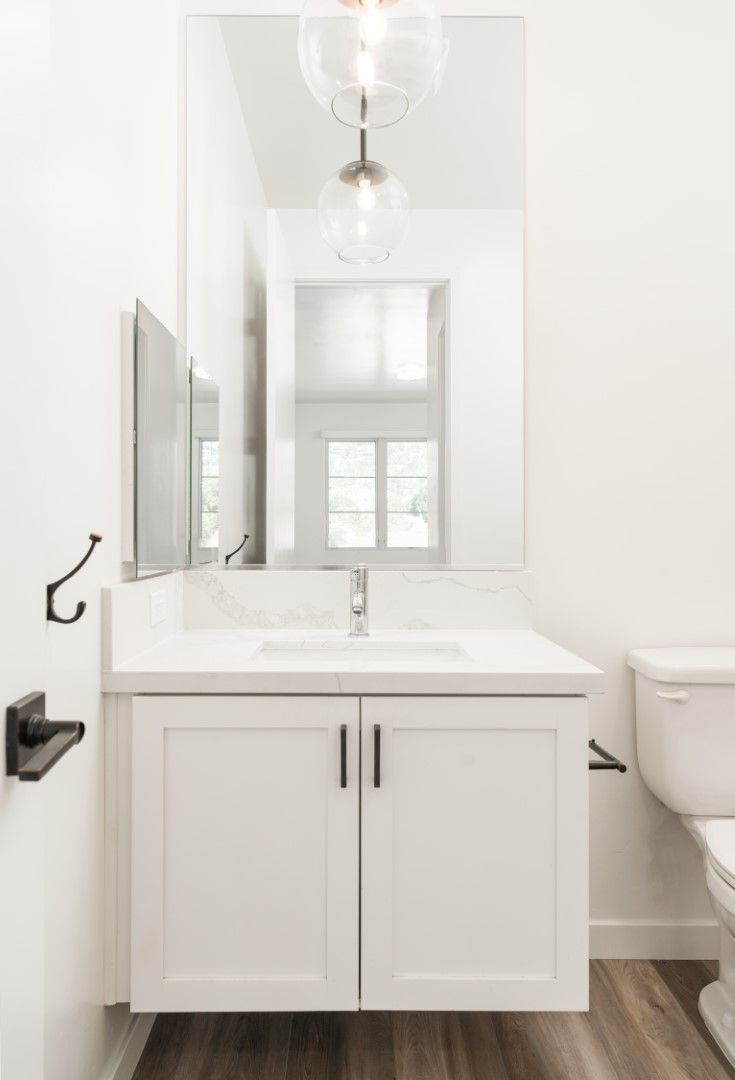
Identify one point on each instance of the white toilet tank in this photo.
(685, 724)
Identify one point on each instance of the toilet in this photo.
(685, 709)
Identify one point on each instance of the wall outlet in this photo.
(159, 607)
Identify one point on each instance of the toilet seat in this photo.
(719, 837)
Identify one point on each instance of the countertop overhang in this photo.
(506, 662)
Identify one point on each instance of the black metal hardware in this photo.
(51, 589)
(343, 756)
(33, 744)
(245, 539)
(376, 755)
(608, 761)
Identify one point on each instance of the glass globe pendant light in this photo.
(371, 61)
(363, 211)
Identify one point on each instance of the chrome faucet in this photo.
(358, 601)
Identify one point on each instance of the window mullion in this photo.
(382, 493)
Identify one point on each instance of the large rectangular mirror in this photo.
(369, 413)
(160, 446)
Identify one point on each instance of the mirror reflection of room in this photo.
(371, 377)
(160, 391)
(205, 467)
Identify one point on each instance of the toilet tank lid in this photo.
(700, 664)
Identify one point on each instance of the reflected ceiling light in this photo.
(410, 372)
(363, 211)
(371, 61)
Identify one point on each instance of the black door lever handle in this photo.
(67, 734)
(33, 743)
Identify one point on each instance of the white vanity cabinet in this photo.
(474, 853)
(245, 854)
(449, 874)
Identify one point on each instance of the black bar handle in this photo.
(343, 756)
(608, 761)
(376, 755)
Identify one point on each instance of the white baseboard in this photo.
(692, 940)
(125, 1059)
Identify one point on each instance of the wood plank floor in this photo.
(643, 1024)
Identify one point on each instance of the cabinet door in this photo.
(474, 853)
(245, 854)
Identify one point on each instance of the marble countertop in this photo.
(232, 661)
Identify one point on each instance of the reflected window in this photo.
(407, 495)
(209, 493)
(352, 494)
(377, 493)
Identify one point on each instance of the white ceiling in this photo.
(352, 339)
(462, 149)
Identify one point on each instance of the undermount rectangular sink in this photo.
(364, 650)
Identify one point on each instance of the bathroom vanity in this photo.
(298, 820)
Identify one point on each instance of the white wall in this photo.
(311, 421)
(89, 222)
(631, 385)
(226, 258)
(481, 253)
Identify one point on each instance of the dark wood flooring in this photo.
(643, 1024)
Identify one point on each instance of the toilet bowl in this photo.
(716, 840)
(685, 733)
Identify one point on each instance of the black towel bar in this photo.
(607, 762)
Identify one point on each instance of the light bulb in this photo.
(365, 194)
(373, 26)
(365, 68)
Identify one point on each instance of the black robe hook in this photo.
(51, 589)
(245, 539)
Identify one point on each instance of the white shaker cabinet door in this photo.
(474, 853)
(245, 854)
